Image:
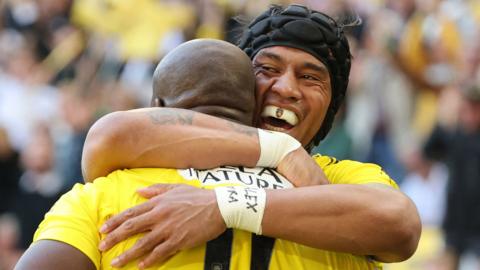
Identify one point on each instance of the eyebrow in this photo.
(274, 56)
(319, 68)
(310, 65)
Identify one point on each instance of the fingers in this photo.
(154, 190)
(161, 253)
(128, 228)
(117, 220)
(141, 247)
(147, 192)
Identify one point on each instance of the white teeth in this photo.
(274, 128)
(280, 113)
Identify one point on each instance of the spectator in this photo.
(10, 172)
(9, 234)
(40, 185)
(426, 185)
(460, 148)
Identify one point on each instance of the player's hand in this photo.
(301, 170)
(176, 217)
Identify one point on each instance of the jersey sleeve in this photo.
(353, 172)
(73, 220)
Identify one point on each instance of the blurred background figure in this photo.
(40, 185)
(9, 235)
(425, 183)
(10, 172)
(65, 63)
(458, 144)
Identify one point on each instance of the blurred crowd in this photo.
(413, 103)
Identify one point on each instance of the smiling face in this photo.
(293, 91)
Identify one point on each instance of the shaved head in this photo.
(209, 76)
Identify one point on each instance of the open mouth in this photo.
(278, 119)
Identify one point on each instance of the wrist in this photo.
(216, 214)
(242, 207)
(274, 146)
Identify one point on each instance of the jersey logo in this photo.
(265, 178)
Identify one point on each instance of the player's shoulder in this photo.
(353, 172)
(132, 179)
(329, 162)
(100, 188)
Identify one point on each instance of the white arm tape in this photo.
(242, 207)
(274, 146)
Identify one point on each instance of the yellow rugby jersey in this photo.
(353, 172)
(77, 216)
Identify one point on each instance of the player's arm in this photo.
(374, 220)
(166, 137)
(52, 255)
(176, 138)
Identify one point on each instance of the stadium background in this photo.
(65, 63)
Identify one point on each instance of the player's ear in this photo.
(157, 102)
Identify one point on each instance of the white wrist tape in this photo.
(242, 207)
(274, 146)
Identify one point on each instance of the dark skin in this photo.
(288, 81)
(213, 96)
(40, 256)
(216, 95)
(222, 71)
(294, 95)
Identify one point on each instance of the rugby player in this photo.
(68, 236)
(301, 61)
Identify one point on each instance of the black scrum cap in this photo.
(314, 32)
